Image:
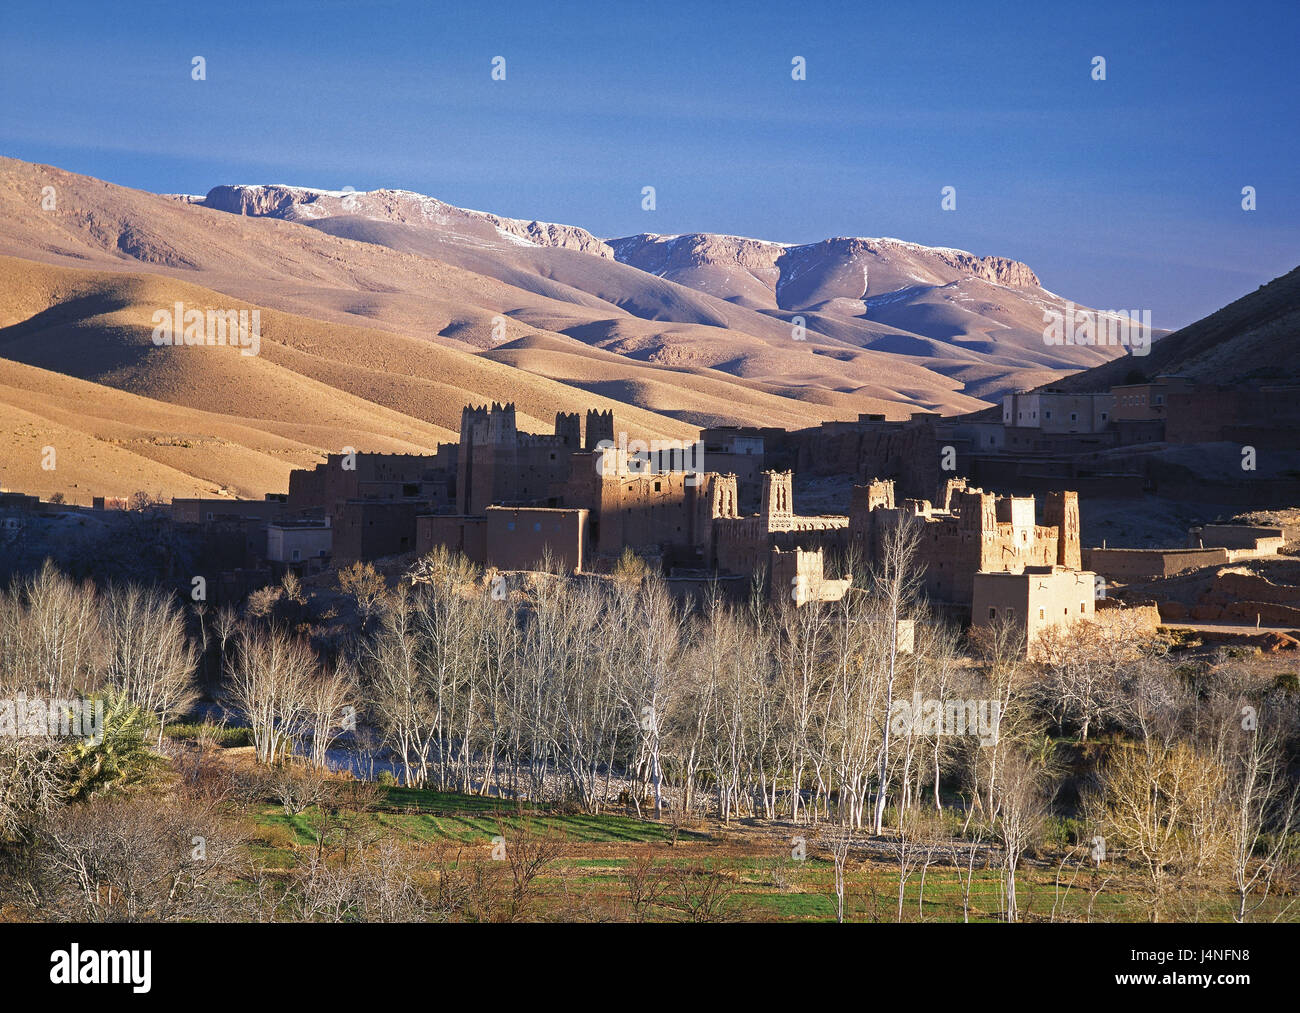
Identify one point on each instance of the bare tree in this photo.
(1083, 666)
(331, 710)
(30, 782)
(1150, 794)
(700, 893)
(150, 657)
(50, 637)
(396, 689)
(367, 587)
(270, 682)
(1263, 810)
(378, 883)
(963, 852)
(838, 840)
(896, 583)
(226, 625)
(1020, 795)
(913, 847)
(138, 858)
(528, 853)
(646, 883)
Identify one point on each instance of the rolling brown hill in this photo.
(977, 320)
(383, 316)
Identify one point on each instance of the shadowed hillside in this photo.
(1257, 337)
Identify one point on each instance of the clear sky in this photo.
(1122, 194)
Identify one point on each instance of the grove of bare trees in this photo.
(610, 691)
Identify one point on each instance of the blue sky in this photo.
(1122, 194)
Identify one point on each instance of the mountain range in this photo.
(382, 313)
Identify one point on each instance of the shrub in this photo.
(1062, 832)
(218, 734)
(298, 787)
(1287, 682)
(275, 835)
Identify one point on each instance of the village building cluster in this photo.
(721, 512)
(578, 499)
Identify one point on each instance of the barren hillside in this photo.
(383, 313)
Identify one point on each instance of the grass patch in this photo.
(474, 818)
(221, 735)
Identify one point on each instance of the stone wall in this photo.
(1146, 564)
(466, 535)
(368, 529)
(1262, 540)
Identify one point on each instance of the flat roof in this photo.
(540, 510)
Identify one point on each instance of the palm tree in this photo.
(117, 757)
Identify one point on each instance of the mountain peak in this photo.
(808, 275)
(402, 207)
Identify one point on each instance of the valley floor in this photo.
(606, 866)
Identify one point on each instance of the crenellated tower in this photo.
(487, 461)
(568, 427)
(1061, 510)
(600, 426)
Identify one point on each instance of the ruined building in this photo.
(372, 500)
(970, 532)
(800, 576)
(743, 544)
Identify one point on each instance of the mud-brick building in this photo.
(372, 500)
(799, 575)
(453, 532)
(739, 451)
(908, 452)
(498, 464)
(1035, 599)
(666, 513)
(213, 510)
(519, 538)
(299, 542)
(370, 528)
(366, 476)
(744, 544)
(1263, 415)
(972, 531)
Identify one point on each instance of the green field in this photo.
(758, 879)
